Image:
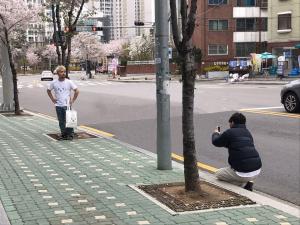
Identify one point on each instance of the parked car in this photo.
(290, 96)
(47, 75)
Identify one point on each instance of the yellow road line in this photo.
(200, 165)
(271, 113)
(97, 131)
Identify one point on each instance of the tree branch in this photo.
(78, 13)
(70, 15)
(183, 12)
(175, 31)
(191, 20)
(2, 39)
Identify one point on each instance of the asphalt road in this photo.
(128, 110)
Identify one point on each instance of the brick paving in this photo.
(83, 182)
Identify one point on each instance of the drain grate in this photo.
(77, 136)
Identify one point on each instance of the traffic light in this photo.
(139, 23)
(69, 29)
(97, 28)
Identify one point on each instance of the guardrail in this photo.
(150, 62)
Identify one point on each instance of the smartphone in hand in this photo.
(219, 128)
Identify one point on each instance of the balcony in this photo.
(249, 12)
(249, 36)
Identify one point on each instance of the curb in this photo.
(3, 217)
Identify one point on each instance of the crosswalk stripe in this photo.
(36, 84)
(106, 82)
(100, 83)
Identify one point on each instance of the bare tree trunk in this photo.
(24, 68)
(189, 151)
(63, 41)
(183, 45)
(69, 42)
(71, 26)
(61, 38)
(55, 34)
(14, 73)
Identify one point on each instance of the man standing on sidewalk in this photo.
(62, 88)
(244, 160)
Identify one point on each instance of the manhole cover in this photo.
(77, 136)
(12, 114)
(212, 197)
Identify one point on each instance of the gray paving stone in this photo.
(43, 158)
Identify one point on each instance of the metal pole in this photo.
(164, 161)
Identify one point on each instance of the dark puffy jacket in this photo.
(243, 156)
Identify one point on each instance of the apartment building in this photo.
(284, 31)
(229, 29)
(40, 32)
(126, 12)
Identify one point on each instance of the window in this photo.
(217, 2)
(252, 24)
(245, 24)
(262, 4)
(245, 3)
(217, 49)
(244, 49)
(285, 21)
(218, 25)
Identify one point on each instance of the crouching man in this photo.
(244, 160)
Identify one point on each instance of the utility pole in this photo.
(163, 142)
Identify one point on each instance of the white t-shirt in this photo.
(62, 90)
(250, 174)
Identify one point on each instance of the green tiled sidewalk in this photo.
(43, 182)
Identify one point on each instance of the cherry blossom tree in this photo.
(86, 45)
(115, 47)
(32, 57)
(14, 16)
(68, 11)
(49, 52)
(141, 48)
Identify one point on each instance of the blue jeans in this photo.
(61, 116)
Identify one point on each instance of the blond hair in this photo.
(60, 68)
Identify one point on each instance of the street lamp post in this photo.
(164, 161)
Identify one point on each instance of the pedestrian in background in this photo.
(114, 63)
(62, 88)
(244, 160)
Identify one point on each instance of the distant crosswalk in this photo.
(40, 84)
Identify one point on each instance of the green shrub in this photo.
(74, 68)
(215, 68)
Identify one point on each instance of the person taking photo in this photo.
(244, 160)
